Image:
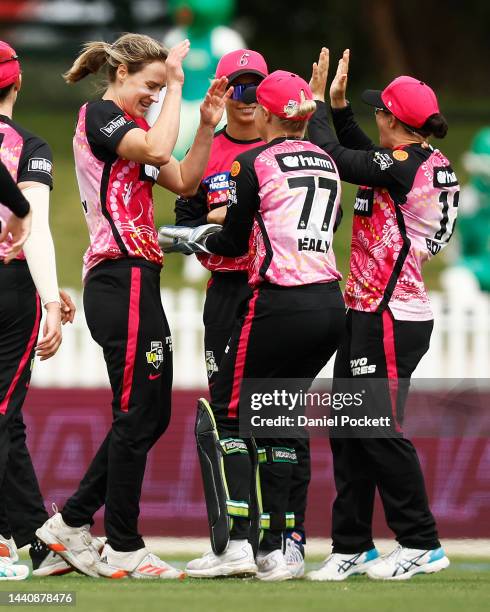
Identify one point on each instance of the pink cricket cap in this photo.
(242, 61)
(9, 65)
(278, 92)
(408, 99)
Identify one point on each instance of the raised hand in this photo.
(338, 86)
(213, 105)
(173, 63)
(318, 81)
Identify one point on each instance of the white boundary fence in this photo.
(460, 344)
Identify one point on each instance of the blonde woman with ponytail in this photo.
(118, 158)
(283, 204)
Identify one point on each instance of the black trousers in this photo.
(22, 508)
(283, 332)
(125, 316)
(227, 296)
(389, 463)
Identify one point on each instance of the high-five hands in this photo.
(318, 82)
(319, 73)
(338, 86)
(213, 105)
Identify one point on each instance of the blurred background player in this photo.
(296, 309)
(205, 24)
(471, 272)
(24, 275)
(404, 213)
(118, 159)
(227, 290)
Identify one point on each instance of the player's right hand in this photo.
(185, 240)
(51, 340)
(173, 63)
(19, 229)
(338, 86)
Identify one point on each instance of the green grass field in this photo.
(464, 586)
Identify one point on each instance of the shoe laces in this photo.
(327, 561)
(156, 561)
(394, 553)
(293, 552)
(86, 536)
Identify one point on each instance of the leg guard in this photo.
(211, 451)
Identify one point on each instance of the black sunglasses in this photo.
(240, 88)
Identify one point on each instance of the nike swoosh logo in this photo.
(154, 376)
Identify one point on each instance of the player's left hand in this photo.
(68, 308)
(213, 105)
(319, 73)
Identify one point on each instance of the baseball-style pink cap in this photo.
(279, 92)
(9, 65)
(242, 61)
(408, 99)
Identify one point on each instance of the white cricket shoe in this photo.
(137, 564)
(74, 544)
(403, 563)
(51, 564)
(8, 550)
(272, 567)
(11, 571)
(339, 566)
(295, 557)
(237, 560)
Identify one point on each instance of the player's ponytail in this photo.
(298, 115)
(436, 125)
(90, 61)
(301, 111)
(133, 50)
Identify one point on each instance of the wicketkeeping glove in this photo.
(186, 240)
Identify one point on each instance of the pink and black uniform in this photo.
(125, 316)
(284, 198)
(24, 158)
(227, 289)
(404, 214)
